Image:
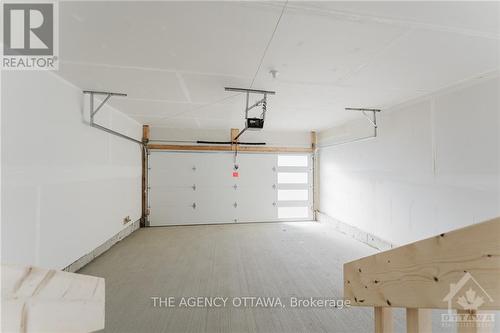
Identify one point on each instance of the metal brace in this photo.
(93, 112)
(372, 121)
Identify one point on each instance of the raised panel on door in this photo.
(216, 205)
(257, 205)
(172, 206)
(172, 169)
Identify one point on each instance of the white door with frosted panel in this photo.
(201, 188)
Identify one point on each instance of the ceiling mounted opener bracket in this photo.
(250, 122)
(372, 120)
(93, 112)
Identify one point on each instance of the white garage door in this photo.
(203, 188)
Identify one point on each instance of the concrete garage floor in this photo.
(295, 259)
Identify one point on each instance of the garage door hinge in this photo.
(194, 187)
(235, 204)
(194, 205)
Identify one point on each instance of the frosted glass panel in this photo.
(292, 177)
(293, 160)
(290, 195)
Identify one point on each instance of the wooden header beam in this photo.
(254, 149)
(421, 274)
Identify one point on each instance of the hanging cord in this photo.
(235, 165)
(269, 43)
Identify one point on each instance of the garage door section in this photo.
(203, 188)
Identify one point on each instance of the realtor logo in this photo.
(30, 35)
(469, 295)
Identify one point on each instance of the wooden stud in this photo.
(234, 133)
(145, 212)
(418, 320)
(383, 320)
(314, 141)
(145, 133)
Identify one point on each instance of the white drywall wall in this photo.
(66, 187)
(434, 167)
(271, 138)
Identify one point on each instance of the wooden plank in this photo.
(421, 274)
(46, 300)
(383, 320)
(144, 200)
(255, 149)
(467, 327)
(145, 133)
(234, 133)
(418, 320)
(314, 141)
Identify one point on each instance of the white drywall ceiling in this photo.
(174, 58)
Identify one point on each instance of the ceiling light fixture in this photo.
(274, 73)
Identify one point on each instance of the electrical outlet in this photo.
(126, 219)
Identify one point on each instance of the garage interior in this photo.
(330, 151)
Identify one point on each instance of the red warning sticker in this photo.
(236, 174)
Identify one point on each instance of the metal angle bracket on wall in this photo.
(93, 112)
(372, 121)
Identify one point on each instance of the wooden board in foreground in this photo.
(431, 273)
(46, 300)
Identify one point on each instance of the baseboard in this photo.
(356, 233)
(84, 260)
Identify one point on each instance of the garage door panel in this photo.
(215, 206)
(172, 177)
(257, 169)
(260, 208)
(171, 195)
